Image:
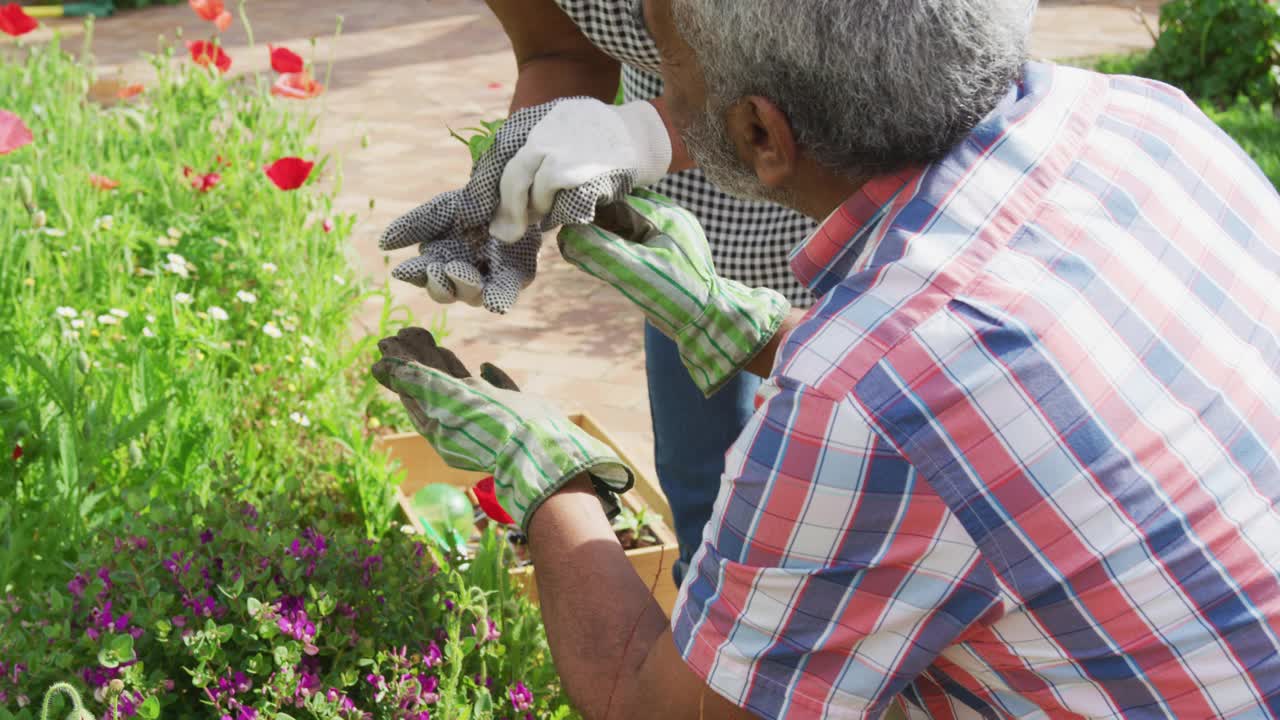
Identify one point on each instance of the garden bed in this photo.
(652, 553)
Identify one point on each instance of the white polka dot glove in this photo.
(656, 254)
(486, 425)
(549, 165)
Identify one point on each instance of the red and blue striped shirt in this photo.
(1023, 458)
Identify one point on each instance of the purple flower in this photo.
(206, 537)
(448, 604)
(177, 564)
(490, 630)
(432, 657)
(521, 697)
(105, 575)
(77, 585)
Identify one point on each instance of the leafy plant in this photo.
(479, 139)
(168, 330)
(232, 610)
(1218, 50)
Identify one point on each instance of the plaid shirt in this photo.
(1021, 459)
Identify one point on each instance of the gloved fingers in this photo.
(423, 224)
(496, 377)
(573, 206)
(466, 280)
(502, 289)
(516, 210)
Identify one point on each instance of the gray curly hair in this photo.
(869, 86)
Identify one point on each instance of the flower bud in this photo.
(39, 219)
(26, 192)
(116, 686)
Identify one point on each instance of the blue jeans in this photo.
(690, 437)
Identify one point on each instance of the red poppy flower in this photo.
(296, 86)
(284, 60)
(202, 182)
(289, 173)
(15, 21)
(205, 53)
(129, 91)
(487, 496)
(13, 132)
(214, 11)
(219, 161)
(17, 453)
(102, 182)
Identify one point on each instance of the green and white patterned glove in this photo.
(485, 425)
(655, 253)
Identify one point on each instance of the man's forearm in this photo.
(610, 639)
(762, 364)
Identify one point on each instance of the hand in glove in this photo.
(656, 254)
(485, 425)
(549, 165)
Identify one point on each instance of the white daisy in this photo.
(218, 313)
(309, 362)
(308, 341)
(339, 280)
(151, 318)
(108, 320)
(70, 335)
(146, 332)
(300, 419)
(77, 323)
(246, 297)
(66, 312)
(119, 313)
(106, 222)
(183, 298)
(271, 330)
(269, 268)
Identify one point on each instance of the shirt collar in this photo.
(829, 255)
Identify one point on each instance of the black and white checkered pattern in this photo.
(750, 241)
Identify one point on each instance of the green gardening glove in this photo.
(656, 254)
(484, 425)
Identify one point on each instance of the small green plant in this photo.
(1218, 50)
(633, 528)
(479, 139)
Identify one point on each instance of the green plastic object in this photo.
(445, 511)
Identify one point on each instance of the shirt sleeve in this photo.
(830, 574)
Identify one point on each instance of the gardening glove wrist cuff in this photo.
(542, 457)
(737, 324)
(656, 254)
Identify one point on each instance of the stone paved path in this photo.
(406, 70)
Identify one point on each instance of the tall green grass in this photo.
(157, 341)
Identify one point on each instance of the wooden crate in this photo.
(424, 466)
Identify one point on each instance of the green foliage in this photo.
(186, 463)
(230, 609)
(479, 139)
(1257, 130)
(1218, 50)
(167, 333)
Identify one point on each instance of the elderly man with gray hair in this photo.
(1022, 459)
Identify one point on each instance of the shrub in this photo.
(243, 611)
(1218, 50)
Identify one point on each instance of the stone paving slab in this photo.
(407, 70)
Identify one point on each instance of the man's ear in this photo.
(761, 133)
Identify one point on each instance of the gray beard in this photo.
(707, 140)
